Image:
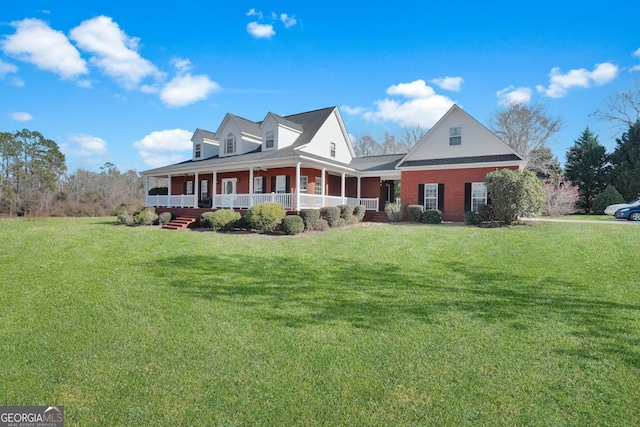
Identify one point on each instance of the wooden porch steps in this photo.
(371, 216)
(181, 222)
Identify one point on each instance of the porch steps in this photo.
(371, 216)
(181, 222)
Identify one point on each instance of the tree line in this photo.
(34, 181)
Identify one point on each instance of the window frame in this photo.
(189, 188)
(332, 149)
(281, 184)
(304, 184)
(268, 139)
(258, 183)
(204, 189)
(198, 151)
(455, 136)
(230, 139)
(318, 185)
(431, 200)
(476, 201)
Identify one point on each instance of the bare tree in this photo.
(410, 138)
(528, 130)
(366, 146)
(622, 109)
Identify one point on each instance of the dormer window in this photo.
(455, 136)
(198, 151)
(333, 149)
(230, 144)
(269, 140)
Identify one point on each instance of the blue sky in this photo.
(129, 82)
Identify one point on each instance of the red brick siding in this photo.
(453, 180)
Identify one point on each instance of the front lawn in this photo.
(375, 325)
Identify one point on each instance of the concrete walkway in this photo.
(588, 221)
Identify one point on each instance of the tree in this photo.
(587, 167)
(514, 194)
(527, 130)
(546, 165)
(623, 108)
(365, 146)
(625, 161)
(610, 196)
(560, 196)
(410, 138)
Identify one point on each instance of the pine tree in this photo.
(587, 167)
(626, 163)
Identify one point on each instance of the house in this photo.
(306, 161)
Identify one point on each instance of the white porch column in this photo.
(342, 184)
(169, 192)
(214, 184)
(251, 189)
(298, 186)
(324, 170)
(196, 189)
(359, 188)
(146, 191)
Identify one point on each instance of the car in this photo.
(632, 213)
(611, 209)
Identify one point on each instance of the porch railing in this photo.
(245, 201)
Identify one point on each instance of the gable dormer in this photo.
(278, 132)
(205, 144)
(458, 140)
(238, 136)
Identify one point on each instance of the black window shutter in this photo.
(264, 184)
(467, 196)
(273, 184)
(441, 197)
(421, 194)
(287, 188)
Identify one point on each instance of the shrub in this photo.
(310, 218)
(610, 196)
(147, 216)
(486, 213)
(359, 211)
(242, 223)
(165, 218)
(126, 219)
(415, 212)
(292, 224)
(224, 219)
(432, 216)
(472, 218)
(330, 214)
(354, 220)
(514, 194)
(395, 211)
(340, 222)
(205, 219)
(266, 217)
(321, 225)
(346, 212)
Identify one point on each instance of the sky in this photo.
(129, 82)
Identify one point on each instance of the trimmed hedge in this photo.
(359, 211)
(147, 216)
(415, 212)
(395, 211)
(330, 214)
(472, 218)
(292, 224)
(321, 225)
(205, 219)
(310, 218)
(346, 212)
(266, 217)
(126, 219)
(432, 216)
(165, 218)
(224, 219)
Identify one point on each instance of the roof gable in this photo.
(478, 144)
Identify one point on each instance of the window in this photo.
(281, 184)
(430, 196)
(258, 184)
(198, 151)
(204, 189)
(478, 195)
(319, 185)
(304, 184)
(189, 187)
(230, 144)
(455, 136)
(333, 149)
(269, 139)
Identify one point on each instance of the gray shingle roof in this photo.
(462, 160)
(376, 163)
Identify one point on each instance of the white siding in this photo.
(208, 147)
(285, 137)
(244, 143)
(331, 131)
(476, 140)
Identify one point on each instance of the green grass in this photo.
(383, 325)
(592, 217)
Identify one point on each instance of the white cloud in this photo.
(424, 107)
(260, 31)
(160, 148)
(185, 89)
(35, 42)
(514, 95)
(353, 111)
(82, 145)
(115, 52)
(21, 116)
(561, 83)
(636, 67)
(253, 12)
(448, 83)
(6, 68)
(288, 21)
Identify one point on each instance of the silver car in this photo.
(611, 209)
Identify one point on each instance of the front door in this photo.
(228, 192)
